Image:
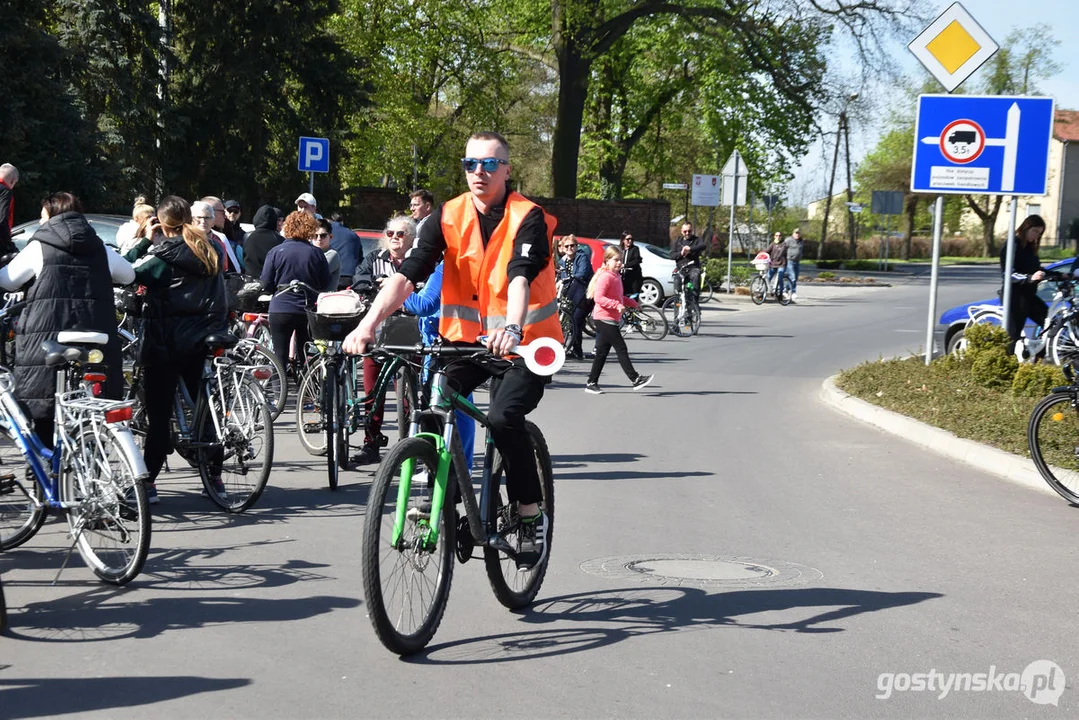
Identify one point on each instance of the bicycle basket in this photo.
(331, 327)
(400, 330)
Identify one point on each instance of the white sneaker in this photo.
(794, 296)
(1021, 350)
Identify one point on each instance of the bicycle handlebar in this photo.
(543, 356)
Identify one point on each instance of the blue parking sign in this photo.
(314, 155)
(982, 145)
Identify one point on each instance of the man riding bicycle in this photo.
(686, 252)
(498, 281)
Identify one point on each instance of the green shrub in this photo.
(1037, 380)
(826, 275)
(993, 368)
(829, 264)
(983, 336)
(864, 265)
(716, 269)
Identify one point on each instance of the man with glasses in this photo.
(794, 260)
(221, 228)
(202, 216)
(420, 204)
(686, 252)
(306, 203)
(498, 282)
(322, 241)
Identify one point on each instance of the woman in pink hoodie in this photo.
(610, 302)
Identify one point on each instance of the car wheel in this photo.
(957, 342)
(651, 292)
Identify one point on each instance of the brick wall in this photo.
(648, 220)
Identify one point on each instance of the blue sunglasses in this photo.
(489, 165)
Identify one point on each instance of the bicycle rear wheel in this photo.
(651, 321)
(406, 584)
(20, 516)
(331, 419)
(110, 515)
(241, 456)
(309, 423)
(707, 291)
(275, 387)
(513, 588)
(1053, 437)
(758, 289)
(405, 392)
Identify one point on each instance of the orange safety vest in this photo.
(475, 285)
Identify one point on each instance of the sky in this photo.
(998, 18)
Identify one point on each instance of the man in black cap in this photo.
(233, 231)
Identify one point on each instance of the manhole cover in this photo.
(701, 570)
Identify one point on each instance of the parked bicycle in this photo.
(94, 474)
(682, 311)
(412, 529)
(1053, 439)
(224, 428)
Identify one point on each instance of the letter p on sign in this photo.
(314, 155)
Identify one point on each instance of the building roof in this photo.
(1066, 125)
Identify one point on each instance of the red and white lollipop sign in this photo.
(962, 141)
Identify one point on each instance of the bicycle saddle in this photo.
(57, 354)
(221, 340)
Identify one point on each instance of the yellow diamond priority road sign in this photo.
(953, 47)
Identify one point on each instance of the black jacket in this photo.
(631, 262)
(258, 243)
(294, 260)
(1026, 263)
(375, 264)
(696, 247)
(73, 291)
(184, 307)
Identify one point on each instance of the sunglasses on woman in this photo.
(323, 235)
(396, 234)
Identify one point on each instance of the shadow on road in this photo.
(675, 393)
(591, 620)
(38, 697)
(741, 335)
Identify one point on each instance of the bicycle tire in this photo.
(565, 319)
(589, 327)
(275, 388)
(109, 503)
(399, 631)
(707, 291)
(405, 392)
(501, 569)
(20, 517)
(785, 293)
(246, 449)
(1053, 443)
(758, 289)
(330, 422)
(652, 323)
(309, 423)
(1062, 346)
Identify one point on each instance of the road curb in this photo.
(1007, 466)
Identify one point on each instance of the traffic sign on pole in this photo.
(953, 47)
(735, 180)
(675, 186)
(314, 155)
(989, 145)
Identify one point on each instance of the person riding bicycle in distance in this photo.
(686, 252)
(498, 281)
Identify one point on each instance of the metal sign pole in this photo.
(1009, 263)
(730, 236)
(887, 238)
(311, 184)
(938, 230)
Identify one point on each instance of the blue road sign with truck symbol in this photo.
(982, 145)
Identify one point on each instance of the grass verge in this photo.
(946, 395)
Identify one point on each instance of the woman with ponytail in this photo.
(185, 303)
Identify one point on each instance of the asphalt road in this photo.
(846, 553)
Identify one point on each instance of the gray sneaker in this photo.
(531, 542)
(593, 389)
(642, 381)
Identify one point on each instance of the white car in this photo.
(657, 269)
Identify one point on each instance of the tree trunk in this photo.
(573, 71)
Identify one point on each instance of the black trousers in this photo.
(693, 273)
(513, 395)
(160, 382)
(1024, 307)
(282, 325)
(576, 294)
(609, 336)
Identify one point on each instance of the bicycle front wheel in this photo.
(1053, 437)
(110, 513)
(513, 588)
(758, 289)
(331, 419)
(20, 516)
(407, 583)
(652, 322)
(240, 456)
(405, 391)
(309, 422)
